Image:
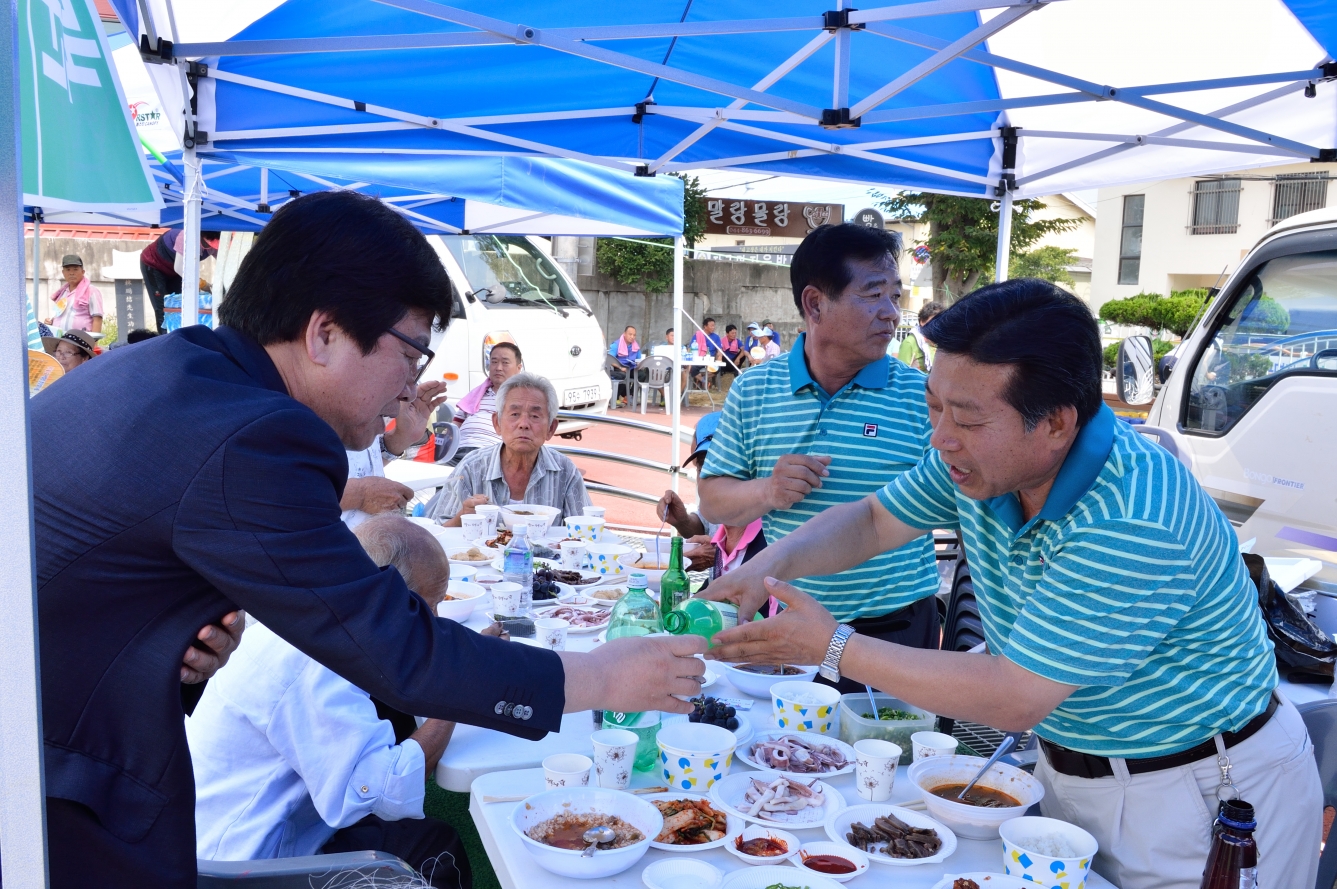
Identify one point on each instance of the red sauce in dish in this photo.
(829, 864)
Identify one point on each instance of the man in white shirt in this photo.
(368, 492)
(290, 759)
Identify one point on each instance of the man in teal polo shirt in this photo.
(828, 424)
(1120, 620)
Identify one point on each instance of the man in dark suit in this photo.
(221, 464)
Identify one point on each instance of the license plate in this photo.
(581, 396)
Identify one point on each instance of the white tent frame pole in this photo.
(190, 239)
(675, 446)
(418, 119)
(1137, 139)
(789, 64)
(23, 804)
(1097, 90)
(538, 37)
(1003, 254)
(940, 58)
(1168, 131)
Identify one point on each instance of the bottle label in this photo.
(1249, 878)
(631, 720)
(728, 614)
(517, 563)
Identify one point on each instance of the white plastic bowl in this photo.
(460, 571)
(1021, 858)
(752, 832)
(652, 575)
(580, 800)
(973, 822)
(694, 755)
(605, 559)
(464, 598)
(759, 685)
(538, 512)
(805, 706)
(681, 873)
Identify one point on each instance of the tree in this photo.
(633, 260)
(1046, 263)
(1175, 313)
(963, 235)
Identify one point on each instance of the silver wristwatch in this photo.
(830, 668)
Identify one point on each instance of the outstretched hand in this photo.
(798, 635)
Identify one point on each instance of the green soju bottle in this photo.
(701, 617)
(636, 615)
(674, 588)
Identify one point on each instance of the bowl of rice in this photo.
(1047, 851)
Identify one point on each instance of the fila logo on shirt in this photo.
(870, 430)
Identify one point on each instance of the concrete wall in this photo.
(1172, 258)
(729, 292)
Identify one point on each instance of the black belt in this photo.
(1086, 765)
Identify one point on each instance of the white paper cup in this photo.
(597, 512)
(574, 554)
(1023, 838)
(928, 744)
(493, 515)
(506, 598)
(614, 755)
(567, 770)
(475, 526)
(875, 764)
(538, 529)
(584, 527)
(551, 632)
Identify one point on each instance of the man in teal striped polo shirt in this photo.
(1120, 620)
(828, 424)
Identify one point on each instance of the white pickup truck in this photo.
(1250, 408)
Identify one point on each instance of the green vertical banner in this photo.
(80, 151)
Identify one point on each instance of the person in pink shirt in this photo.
(78, 303)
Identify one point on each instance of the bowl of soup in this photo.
(757, 679)
(1005, 792)
(551, 824)
(650, 564)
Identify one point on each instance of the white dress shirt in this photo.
(360, 465)
(286, 752)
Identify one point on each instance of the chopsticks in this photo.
(516, 799)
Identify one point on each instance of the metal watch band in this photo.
(830, 668)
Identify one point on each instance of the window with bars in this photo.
(1216, 207)
(1294, 193)
(1130, 239)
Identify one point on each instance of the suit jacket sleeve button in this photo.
(501, 705)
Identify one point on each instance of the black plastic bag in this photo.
(1304, 652)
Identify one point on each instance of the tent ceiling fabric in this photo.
(930, 83)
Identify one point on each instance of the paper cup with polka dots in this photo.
(694, 755)
(805, 707)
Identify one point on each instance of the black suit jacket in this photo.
(174, 481)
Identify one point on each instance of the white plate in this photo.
(986, 881)
(490, 555)
(498, 563)
(734, 824)
(752, 831)
(605, 603)
(729, 792)
(853, 856)
(545, 611)
(770, 874)
(745, 754)
(681, 873)
(838, 825)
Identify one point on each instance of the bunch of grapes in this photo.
(545, 584)
(712, 712)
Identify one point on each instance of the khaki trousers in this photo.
(1154, 829)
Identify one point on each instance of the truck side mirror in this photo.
(1134, 372)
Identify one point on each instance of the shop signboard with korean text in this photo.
(768, 219)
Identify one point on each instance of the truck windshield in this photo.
(509, 269)
(1282, 322)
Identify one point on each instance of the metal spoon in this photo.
(873, 702)
(997, 754)
(594, 836)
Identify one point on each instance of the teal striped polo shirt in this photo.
(874, 429)
(1128, 584)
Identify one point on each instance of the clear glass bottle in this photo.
(674, 588)
(701, 617)
(518, 567)
(636, 615)
(1232, 861)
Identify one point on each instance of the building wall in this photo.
(1172, 258)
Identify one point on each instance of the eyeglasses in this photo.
(427, 354)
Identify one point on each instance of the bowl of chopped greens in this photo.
(895, 721)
